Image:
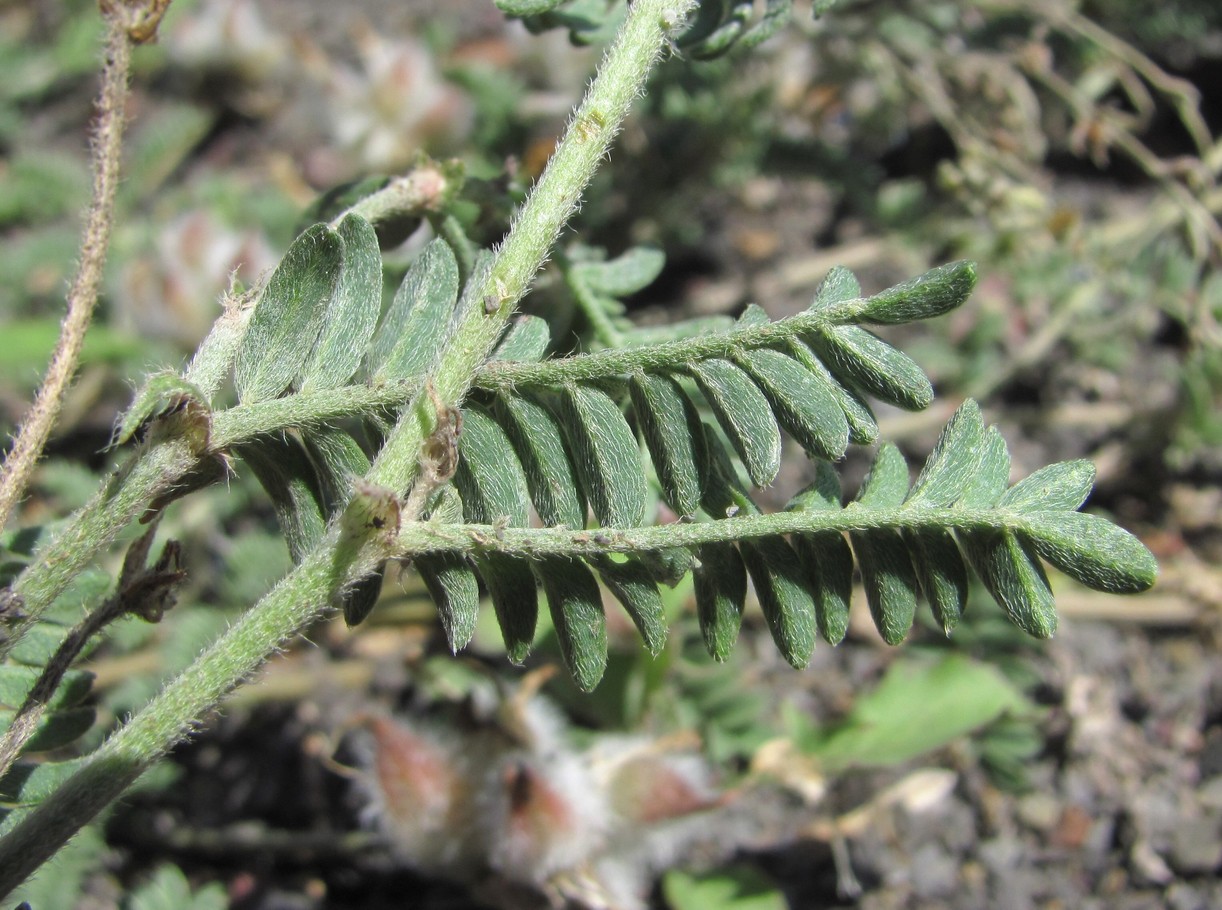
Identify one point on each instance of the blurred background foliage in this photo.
(1069, 147)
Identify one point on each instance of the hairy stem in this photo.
(124, 498)
(83, 294)
(490, 302)
(425, 537)
(306, 593)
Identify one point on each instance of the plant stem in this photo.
(425, 537)
(306, 593)
(596, 314)
(125, 497)
(169, 718)
(507, 375)
(305, 409)
(83, 294)
(490, 299)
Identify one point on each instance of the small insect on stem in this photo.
(589, 124)
(441, 448)
(438, 454)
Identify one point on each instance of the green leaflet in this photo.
(735, 887)
(776, 15)
(838, 286)
(829, 575)
(786, 601)
(864, 360)
(753, 315)
(1091, 550)
(56, 729)
(955, 457)
(418, 321)
(353, 310)
(887, 483)
(539, 443)
(285, 472)
(917, 706)
(983, 487)
(607, 457)
(802, 403)
(889, 580)
(938, 291)
(287, 320)
(633, 586)
(527, 7)
(575, 603)
(886, 570)
(1015, 578)
(675, 439)
(744, 414)
(826, 557)
(515, 600)
(489, 477)
(526, 340)
(1061, 486)
(941, 572)
(452, 585)
(863, 429)
(720, 582)
(623, 276)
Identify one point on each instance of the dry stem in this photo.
(83, 294)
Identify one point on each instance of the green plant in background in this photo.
(429, 431)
